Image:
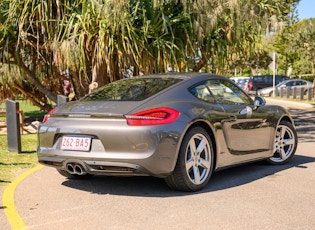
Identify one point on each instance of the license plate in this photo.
(76, 143)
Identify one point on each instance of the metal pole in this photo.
(274, 72)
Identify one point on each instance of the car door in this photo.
(246, 130)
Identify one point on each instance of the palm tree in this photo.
(226, 28)
(23, 43)
(96, 40)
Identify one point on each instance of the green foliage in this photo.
(296, 44)
(308, 78)
(97, 40)
(28, 109)
(12, 164)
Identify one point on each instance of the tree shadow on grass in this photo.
(28, 152)
(16, 163)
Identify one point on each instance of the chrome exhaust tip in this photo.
(70, 168)
(78, 169)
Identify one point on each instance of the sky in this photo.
(306, 9)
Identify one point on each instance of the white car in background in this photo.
(292, 83)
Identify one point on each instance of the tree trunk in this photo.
(80, 85)
(313, 63)
(199, 65)
(36, 82)
(99, 72)
(34, 99)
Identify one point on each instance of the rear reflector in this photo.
(156, 116)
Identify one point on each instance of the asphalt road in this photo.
(254, 196)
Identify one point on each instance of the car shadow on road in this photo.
(155, 187)
(304, 124)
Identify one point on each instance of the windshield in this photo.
(132, 89)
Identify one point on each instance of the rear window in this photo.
(132, 89)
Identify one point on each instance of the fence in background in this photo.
(295, 93)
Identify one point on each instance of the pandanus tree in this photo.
(27, 33)
(95, 41)
(226, 31)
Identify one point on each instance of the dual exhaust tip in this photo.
(75, 168)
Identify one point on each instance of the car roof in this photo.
(187, 76)
(176, 91)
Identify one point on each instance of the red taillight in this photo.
(46, 117)
(156, 116)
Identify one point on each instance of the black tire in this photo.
(193, 168)
(73, 176)
(285, 144)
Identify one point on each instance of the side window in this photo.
(202, 92)
(290, 83)
(225, 92)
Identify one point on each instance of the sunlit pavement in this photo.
(254, 196)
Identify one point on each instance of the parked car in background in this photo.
(237, 80)
(258, 82)
(243, 84)
(181, 127)
(296, 83)
(240, 81)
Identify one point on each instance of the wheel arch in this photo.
(207, 127)
(177, 180)
(286, 118)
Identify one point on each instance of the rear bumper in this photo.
(114, 151)
(159, 162)
(97, 167)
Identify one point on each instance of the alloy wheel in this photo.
(198, 159)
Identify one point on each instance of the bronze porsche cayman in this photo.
(181, 127)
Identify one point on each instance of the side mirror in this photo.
(259, 101)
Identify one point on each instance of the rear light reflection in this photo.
(47, 116)
(156, 116)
